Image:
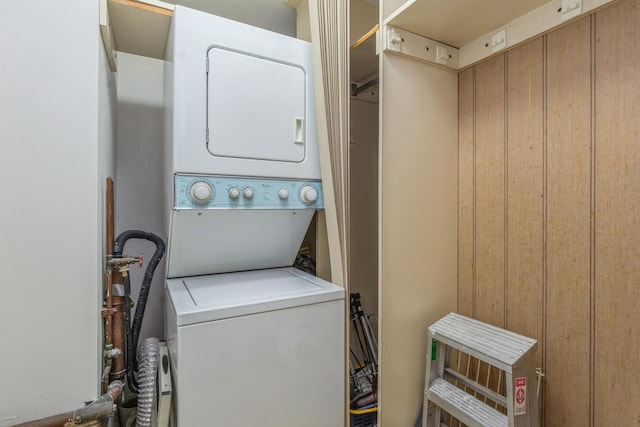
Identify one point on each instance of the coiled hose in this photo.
(133, 333)
(148, 357)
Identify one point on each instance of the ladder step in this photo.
(464, 406)
(488, 343)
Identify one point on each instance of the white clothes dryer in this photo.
(239, 100)
(242, 170)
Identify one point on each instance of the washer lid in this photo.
(219, 296)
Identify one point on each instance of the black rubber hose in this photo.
(118, 247)
(128, 351)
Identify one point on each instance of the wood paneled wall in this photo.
(549, 209)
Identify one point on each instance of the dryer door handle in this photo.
(299, 131)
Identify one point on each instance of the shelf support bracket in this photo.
(404, 43)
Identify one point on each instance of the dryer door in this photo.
(255, 107)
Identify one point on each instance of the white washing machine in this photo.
(252, 341)
(259, 348)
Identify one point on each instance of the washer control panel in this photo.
(229, 192)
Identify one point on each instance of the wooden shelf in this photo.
(461, 22)
(140, 28)
(472, 26)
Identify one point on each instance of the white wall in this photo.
(51, 205)
(139, 166)
(107, 118)
(107, 115)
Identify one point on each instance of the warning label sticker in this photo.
(520, 396)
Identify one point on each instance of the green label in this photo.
(433, 349)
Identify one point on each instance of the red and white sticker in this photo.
(520, 396)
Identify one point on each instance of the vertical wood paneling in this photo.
(466, 148)
(568, 225)
(572, 262)
(617, 215)
(525, 180)
(490, 191)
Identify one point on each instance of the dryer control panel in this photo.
(227, 192)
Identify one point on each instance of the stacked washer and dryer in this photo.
(252, 341)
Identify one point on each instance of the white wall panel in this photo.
(418, 224)
(50, 231)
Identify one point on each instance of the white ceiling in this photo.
(272, 15)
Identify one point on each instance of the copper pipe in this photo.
(108, 312)
(118, 370)
(114, 307)
(100, 408)
(105, 376)
(54, 421)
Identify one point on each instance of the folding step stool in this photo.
(504, 350)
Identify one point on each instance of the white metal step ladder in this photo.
(465, 399)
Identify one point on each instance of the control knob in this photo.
(283, 194)
(308, 194)
(247, 193)
(234, 193)
(201, 192)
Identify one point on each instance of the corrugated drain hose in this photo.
(132, 342)
(148, 361)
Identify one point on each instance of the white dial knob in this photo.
(283, 194)
(247, 193)
(201, 192)
(234, 193)
(308, 194)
